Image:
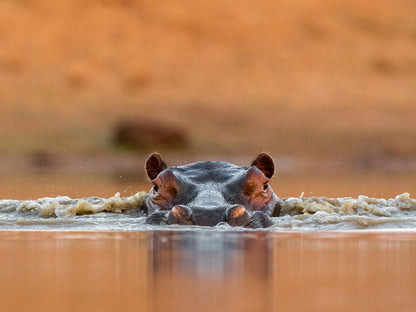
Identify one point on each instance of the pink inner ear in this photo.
(265, 163)
(155, 165)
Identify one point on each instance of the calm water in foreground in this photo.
(207, 271)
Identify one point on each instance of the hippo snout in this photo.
(236, 215)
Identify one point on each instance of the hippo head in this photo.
(208, 193)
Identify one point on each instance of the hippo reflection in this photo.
(209, 193)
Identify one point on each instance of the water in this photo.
(207, 271)
(97, 254)
(118, 213)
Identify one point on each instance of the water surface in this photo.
(118, 213)
(207, 271)
(97, 254)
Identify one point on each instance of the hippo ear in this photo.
(265, 163)
(155, 165)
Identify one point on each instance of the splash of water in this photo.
(125, 213)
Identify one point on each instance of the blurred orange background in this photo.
(327, 87)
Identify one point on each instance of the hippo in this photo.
(210, 193)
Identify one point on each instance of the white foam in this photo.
(124, 214)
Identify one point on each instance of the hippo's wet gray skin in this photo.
(208, 193)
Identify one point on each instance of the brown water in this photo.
(207, 271)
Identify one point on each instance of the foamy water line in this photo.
(125, 214)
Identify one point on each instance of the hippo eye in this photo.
(155, 187)
(265, 186)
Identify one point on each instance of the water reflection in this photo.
(207, 271)
(360, 272)
(214, 269)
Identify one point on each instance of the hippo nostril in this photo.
(180, 215)
(237, 216)
(181, 212)
(237, 211)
